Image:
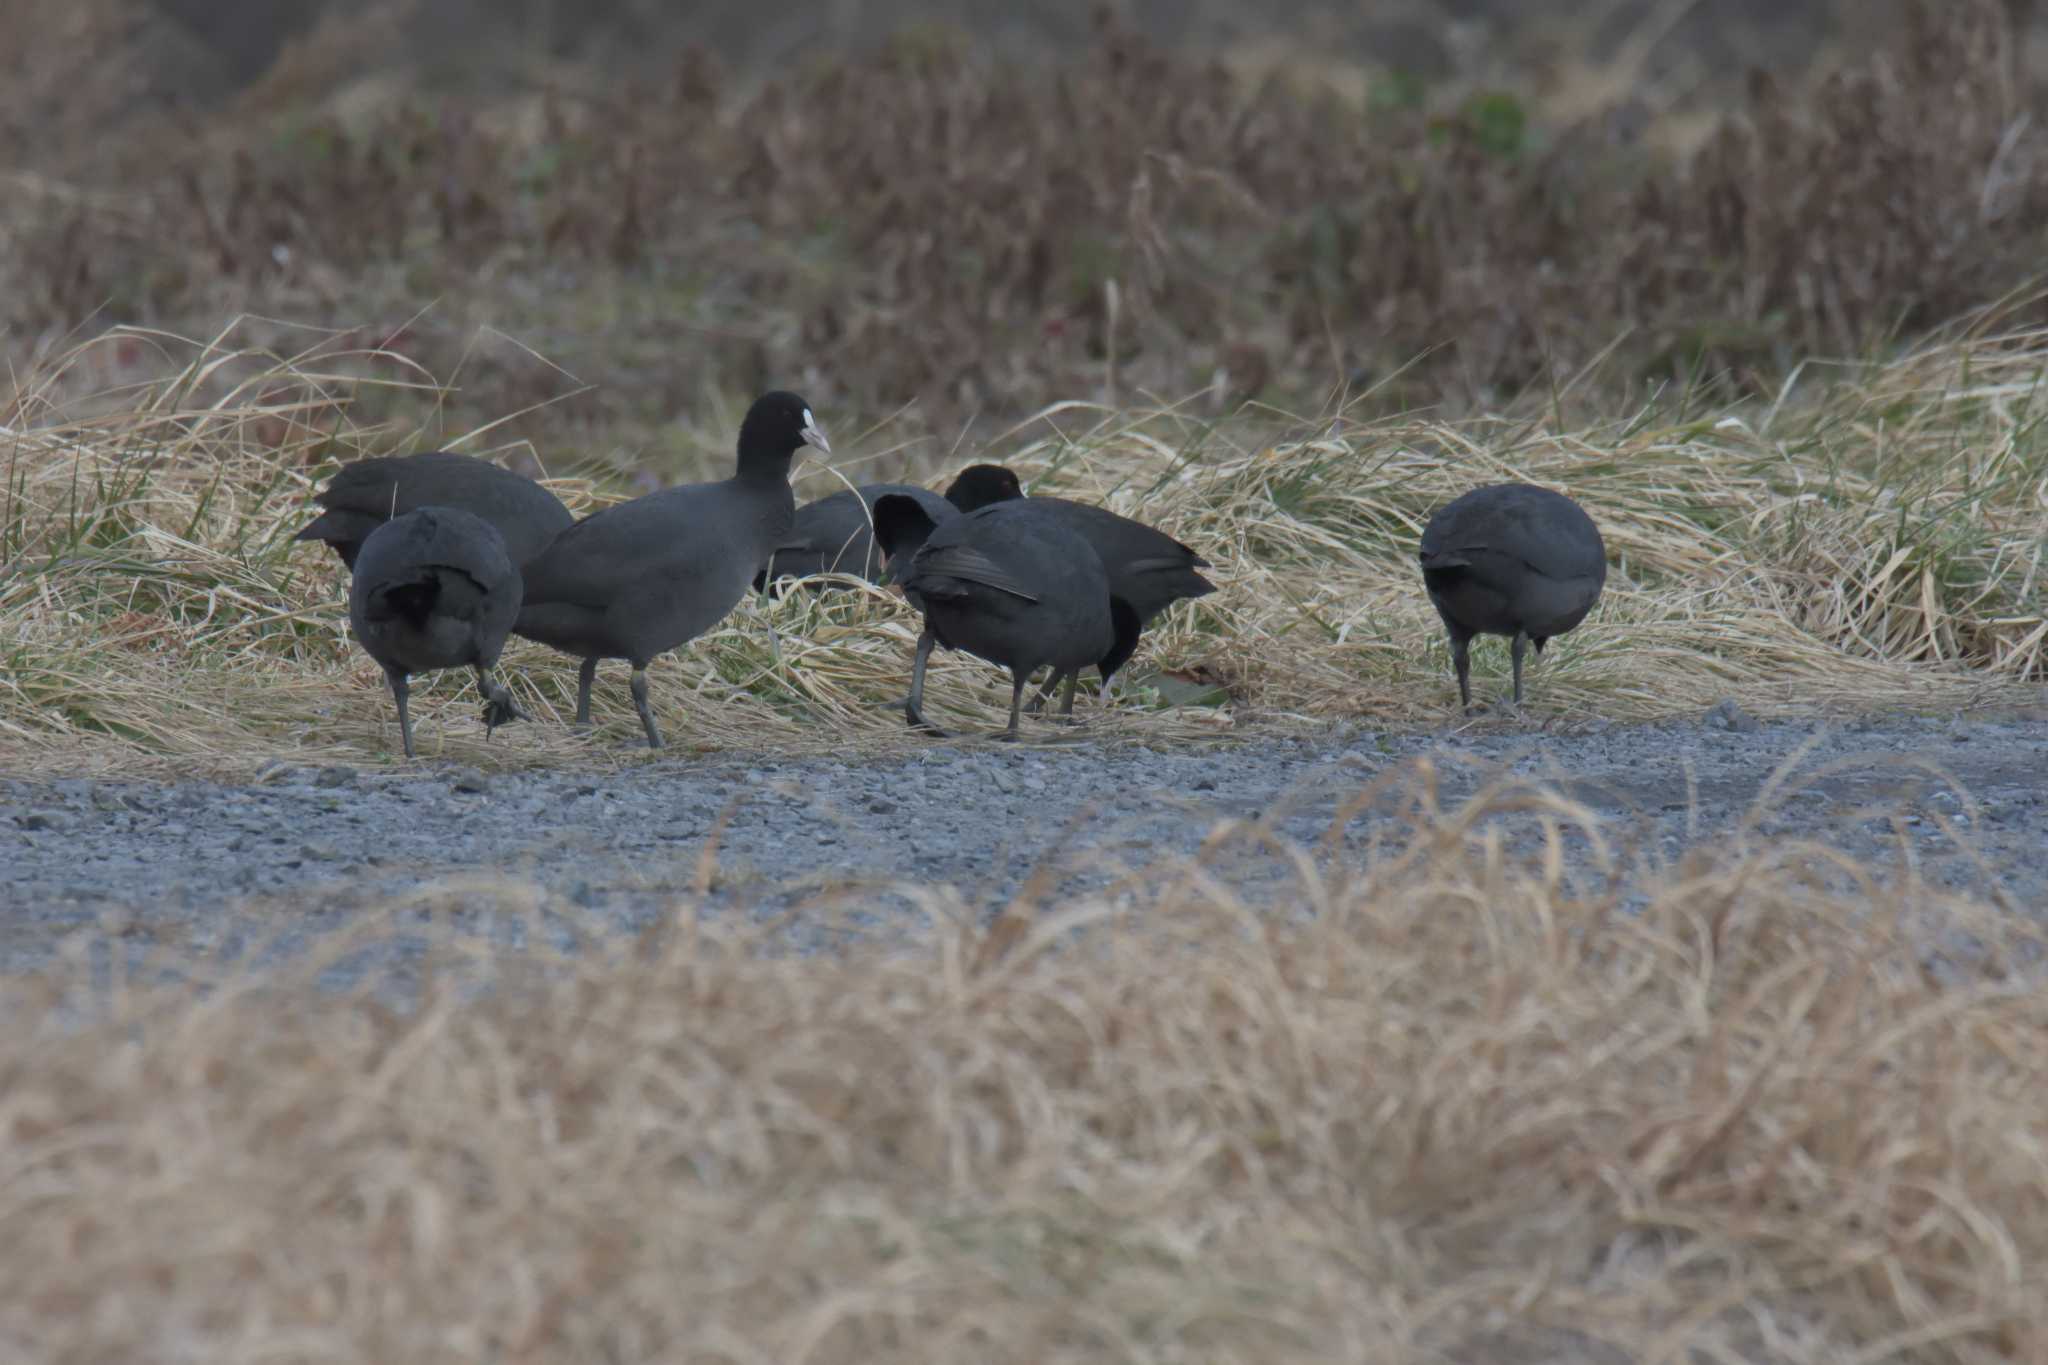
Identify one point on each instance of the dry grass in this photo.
(984, 235)
(1460, 1108)
(1482, 1090)
(1877, 539)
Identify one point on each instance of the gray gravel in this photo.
(224, 867)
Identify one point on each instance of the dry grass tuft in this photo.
(1461, 1107)
(1881, 541)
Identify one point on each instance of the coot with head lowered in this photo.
(1011, 583)
(1148, 569)
(365, 494)
(833, 535)
(1510, 559)
(434, 588)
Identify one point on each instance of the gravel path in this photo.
(208, 865)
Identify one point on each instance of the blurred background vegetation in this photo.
(603, 225)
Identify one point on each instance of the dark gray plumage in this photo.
(1012, 583)
(434, 588)
(646, 576)
(1148, 569)
(363, 495)
(832, 534)
(979, 485)
(1510, 559)
(983, 485)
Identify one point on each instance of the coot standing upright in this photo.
(1510, 559)
(643, 577)
(434, 588)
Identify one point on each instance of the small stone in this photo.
(1002, 781)
(469, 780)
(319, 853)
(880, 807)
(1205, 784)
(336, 775)
(43, 820)
(1727, 715)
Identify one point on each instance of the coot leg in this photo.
(399, 692)
(1461, 659)
(913, 705)
(498, 705)
(586, 676)
(1515, 651)
(640, 705)
(1037, 703)
(1017, 682)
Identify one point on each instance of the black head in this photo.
(901, 526)
(982, 485)
(777, 426)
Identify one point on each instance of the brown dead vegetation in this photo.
(931, 223)
(1463, 1108)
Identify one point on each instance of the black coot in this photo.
(1011, 583)
(833, 534)
(434, 588)
(1510, 559)
(646, 576)
(1148, 569)
(979, 485)
(363, 495)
